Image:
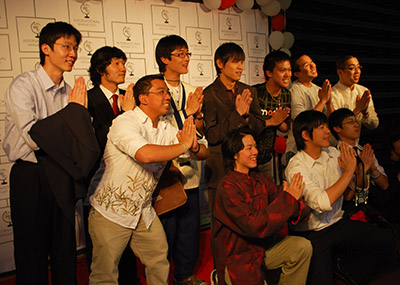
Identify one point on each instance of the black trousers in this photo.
(182, 227)
(41, 230)
(366, 247)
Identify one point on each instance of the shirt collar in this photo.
(220, 86)
(107, 92)
(342, 86)
(46, 80)
(143, 118)
(310, 162)
(357, 145)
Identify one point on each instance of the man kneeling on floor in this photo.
(327, 173)
(250, 210)
(139, 144)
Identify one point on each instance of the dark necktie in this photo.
(115, 104)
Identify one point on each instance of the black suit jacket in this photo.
(68, 151)
(102, 114)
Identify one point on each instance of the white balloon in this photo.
(263, 2)
(204, 8)
(288, 40)
(276, 40)
(244, 4)
(212, 4)
(272, 8)
(287, 51)
(285, 3)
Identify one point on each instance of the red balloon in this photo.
(226, 4)
(280, 145)
(278, 22)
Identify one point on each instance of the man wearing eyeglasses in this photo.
(182, 226)
(344, 127)
(50, 139)
(105, 102)
(139, 144)
(347, 93)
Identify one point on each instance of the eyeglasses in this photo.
(352, 68)
(182, 54)
(161, 92)
(350, 122)
(68, 47)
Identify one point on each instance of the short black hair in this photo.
(307, 121)
(99, 61)
(340, 62)
(336, 119)
(52, 32)
(293, 62)
(144, 84)
(272, 59)
(228, 51)
(165, 46)
(232, 144)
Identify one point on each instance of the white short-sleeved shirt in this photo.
(122, 188)
(318, 175)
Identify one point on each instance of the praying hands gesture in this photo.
(187, 136)
(296, 186)
(325, 93)
(367, 157)
(128, 100)
(243, 102)
(195, 102)
(78, 94)
(362, 103)
(347, 160)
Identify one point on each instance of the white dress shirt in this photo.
(318, 175)
(344, 97)
(32, 96)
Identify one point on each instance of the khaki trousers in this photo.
(109, 241)
(292, 255)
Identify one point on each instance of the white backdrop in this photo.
(134, 26)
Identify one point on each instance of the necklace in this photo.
(172, 80)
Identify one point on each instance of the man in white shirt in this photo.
(347, 93)
(344, 127)
(139, 144)
(305, 94)
(326, 174)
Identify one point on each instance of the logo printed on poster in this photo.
(36, 28)
(7, 218)
(200, 68)
(257, 70)
(130, 68)
(127, 32)
(85, 9)
(229, 23)
(256, 42)
(88, 46)
(165, 16)
(197, 35)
